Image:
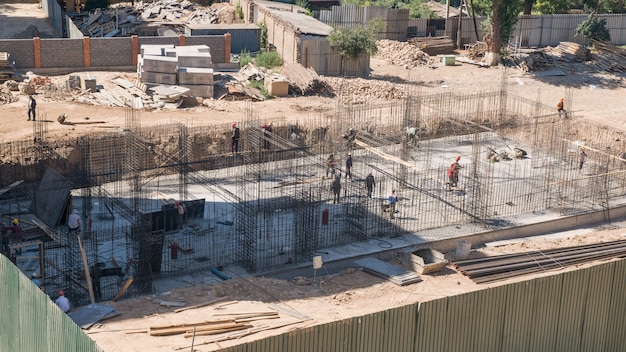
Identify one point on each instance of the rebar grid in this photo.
(271, 204)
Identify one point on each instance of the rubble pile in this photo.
(354, 91)
(169, 16)
(477, 51)
(401, 54)
(6, 97)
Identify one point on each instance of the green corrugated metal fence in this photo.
(31, 322)
(576, 311)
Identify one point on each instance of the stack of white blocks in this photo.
(186, 66)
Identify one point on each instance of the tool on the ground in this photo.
(62, 119)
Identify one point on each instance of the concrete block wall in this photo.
(21, 51)
(62, 53)
(99, 53)
(110, 52)
(282, 35)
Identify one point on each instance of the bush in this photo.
(260, 86)
(268, 59)
(239, 11)
(594, 29)
(245, 58)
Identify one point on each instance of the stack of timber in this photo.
(7, 70)
(212, 327)
(434, 45)
(189, 67)
(610, 58)
(570, 52)
(489, 269)
(305, 81)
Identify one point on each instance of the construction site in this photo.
(270, 206)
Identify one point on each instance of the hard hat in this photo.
(15, 221)
(458, 157)
(74, 211)
(61, 293)
(233, 124)
(176, 203)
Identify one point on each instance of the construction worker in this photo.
(349, 166)
(336, 188)
(350, 137)
(393, 199)
(268, 128)
(582, 157)
(63, 302)
(234, 138)
(560, 107)
(453, 173)
(369, 184)
(330, 165)
(74, 223)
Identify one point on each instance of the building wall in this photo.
(62, 53)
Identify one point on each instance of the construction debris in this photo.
(609, 58)
(7, 68)
(305, 81)
(360, 91)
(388, 271)
(401, 53)
(188, 67)
(159, 18)
(6, 97)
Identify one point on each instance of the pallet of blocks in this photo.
(7, 71)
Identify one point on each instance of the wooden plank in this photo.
(220, 299)
(10, 187)
(86, 268)
(47, 230)
(123, 289)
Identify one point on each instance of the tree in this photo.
(352, 43)
(528, 6)
(502, 20)
(593, 28)
(553, 6)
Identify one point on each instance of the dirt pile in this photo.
(401, 54)
(360, 91)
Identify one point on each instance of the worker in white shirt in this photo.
(63, 302)
(74, 223)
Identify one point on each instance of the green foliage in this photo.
(97, 4)
(606, 6)
(547, 7)
(260, 86)
(418, 9)
(356, 41)
(304, 4)
(239, 11)
(245, 58)
(268, 59)
(263, 34)
(482, 7)
(593, 28)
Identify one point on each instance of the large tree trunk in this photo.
(528, 6)
(494, 42)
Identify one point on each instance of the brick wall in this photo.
(105, 53)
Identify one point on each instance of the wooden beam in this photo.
(86, 268)
(220, 299)
(10, 187)
(123, 289)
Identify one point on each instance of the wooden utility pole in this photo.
(459, 42)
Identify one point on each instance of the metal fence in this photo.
(31, 321)
(580, 310)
